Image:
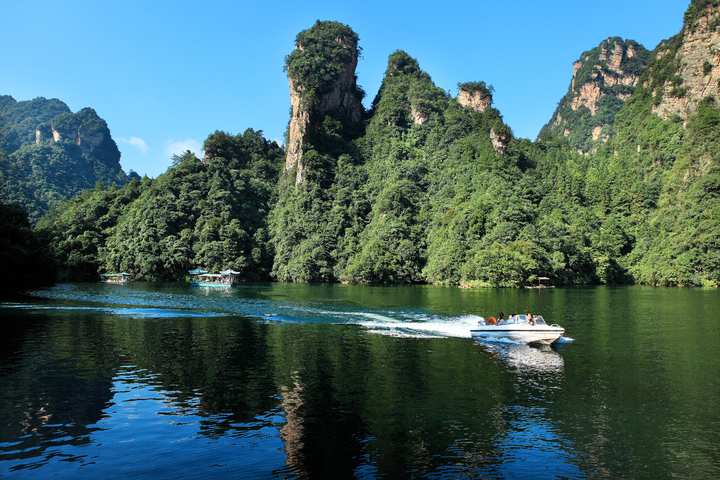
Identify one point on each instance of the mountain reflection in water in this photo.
(318, 381)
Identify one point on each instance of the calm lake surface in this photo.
(152, 380)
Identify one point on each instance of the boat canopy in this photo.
(197, 271)
(230, 271)
(123, 274)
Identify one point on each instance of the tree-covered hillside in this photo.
(211, 214)
(48, 154)
(425, 187)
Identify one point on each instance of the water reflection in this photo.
(526, 358)
(530, 447)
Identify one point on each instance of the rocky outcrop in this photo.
(699, 59)
(478, 96)
(86, 137)
(499, 141)
(419, 117)
(478, 100)
(297, 132)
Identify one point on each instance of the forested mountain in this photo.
(603, 78)
(49, 154)
(622, 186)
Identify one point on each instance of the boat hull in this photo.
(518, 333)
(218, 285)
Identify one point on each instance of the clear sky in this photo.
(165, 75)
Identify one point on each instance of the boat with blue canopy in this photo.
(226, 278)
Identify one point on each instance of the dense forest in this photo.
(424, 188)
(25, 254)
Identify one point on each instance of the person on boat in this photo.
(501, 318)
(530, 319)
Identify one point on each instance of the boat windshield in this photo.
(520, 319)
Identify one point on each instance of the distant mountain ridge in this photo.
(49, 154)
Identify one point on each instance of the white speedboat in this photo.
(518, 329)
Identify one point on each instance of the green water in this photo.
(336, 381)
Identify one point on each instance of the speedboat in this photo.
(517, 328)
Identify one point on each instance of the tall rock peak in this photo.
(322, 80)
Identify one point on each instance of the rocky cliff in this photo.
(478, 96)
(603, 78)
(695, 54)
(322, 80)
(68, 128)
(475, 95)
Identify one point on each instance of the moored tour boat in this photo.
(542, 283)
(517, 328)
(115, 278)
(226, 278)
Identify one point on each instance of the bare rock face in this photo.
(88, 139)
(297, 132)
(84, 136)
(477, 100)
(699, 60)
(499, 142)
(419, 117)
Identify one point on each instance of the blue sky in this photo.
(165, 75)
